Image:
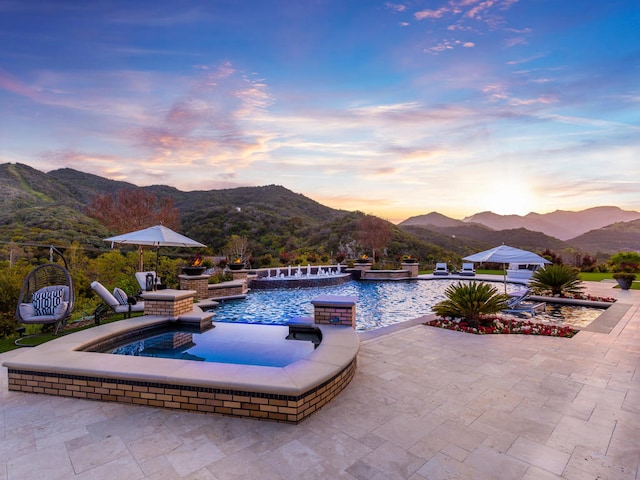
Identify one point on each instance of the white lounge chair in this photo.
(467, 269)
(441, 269)
(119, 302)
(519, 304)
(147, 280)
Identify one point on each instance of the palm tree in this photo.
(471, 301)
(556, 280)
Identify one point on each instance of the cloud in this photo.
(395, 7)
(467, 16)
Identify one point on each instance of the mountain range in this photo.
(50, 207)
(561, 224)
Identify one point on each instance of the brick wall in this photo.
(281, 408)
(168, 307)
(199, 283)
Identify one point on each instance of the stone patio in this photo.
(425, 403)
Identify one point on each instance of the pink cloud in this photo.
(421, 15)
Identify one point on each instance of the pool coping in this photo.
(59, 367)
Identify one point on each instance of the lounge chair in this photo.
(46, 297)
(467, 270)
(519, 304)
(118, 302)
(148, 280)
(441, 269)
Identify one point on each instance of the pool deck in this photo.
(425, 403)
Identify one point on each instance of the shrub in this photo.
(471, 301)
(8, 325)
(556, 280)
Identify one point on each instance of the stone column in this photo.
(199, 283)
(414, 268)
(168, 302)
(335, 310)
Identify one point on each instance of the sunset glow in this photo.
(392, 108)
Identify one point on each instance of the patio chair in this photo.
(518, 304)
(118, 302)
(441, 269)
(46, 297)
(467, 270)
(148, 281)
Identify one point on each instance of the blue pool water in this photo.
(380, 303)
(243, 344)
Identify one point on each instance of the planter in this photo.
(410, 260)
(624, 283)
(236, 266)
(193, 270)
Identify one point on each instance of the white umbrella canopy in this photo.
(156, 236)
(505, 254)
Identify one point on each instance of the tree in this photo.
(374, 233)
(625, 262)
(237, 248)
(131, 209)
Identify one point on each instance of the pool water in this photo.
(265, 345)
(568, 315)
(379, 304)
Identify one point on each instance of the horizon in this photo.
(395, 109)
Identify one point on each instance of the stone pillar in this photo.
(239, 274)
(413, 267)
(199, 283)
(335, 310)
(168, 303)
(362, 266)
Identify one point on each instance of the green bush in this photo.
(8, 325)
(471, 301)
(556, 280)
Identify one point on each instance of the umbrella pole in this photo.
(504, 276)
(140, 259)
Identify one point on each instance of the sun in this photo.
(510, 198)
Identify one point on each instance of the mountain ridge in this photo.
(561, 224)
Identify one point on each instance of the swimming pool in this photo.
(380, 303)
(241, 344)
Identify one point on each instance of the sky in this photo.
(394, 108)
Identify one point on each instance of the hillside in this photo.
(48, 208)
(433, 219)
(621, 236)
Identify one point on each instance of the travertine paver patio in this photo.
(425, 404)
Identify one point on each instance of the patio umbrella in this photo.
(156, 236)
(505, 254)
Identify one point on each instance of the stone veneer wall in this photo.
(227, 289)
(386, 274)
(335, 310)
(414, 268)
(280, 408)
(168, 307)
(199, 283)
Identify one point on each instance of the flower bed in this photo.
(496, 325)
(586, 296)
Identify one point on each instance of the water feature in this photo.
(296, 277)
